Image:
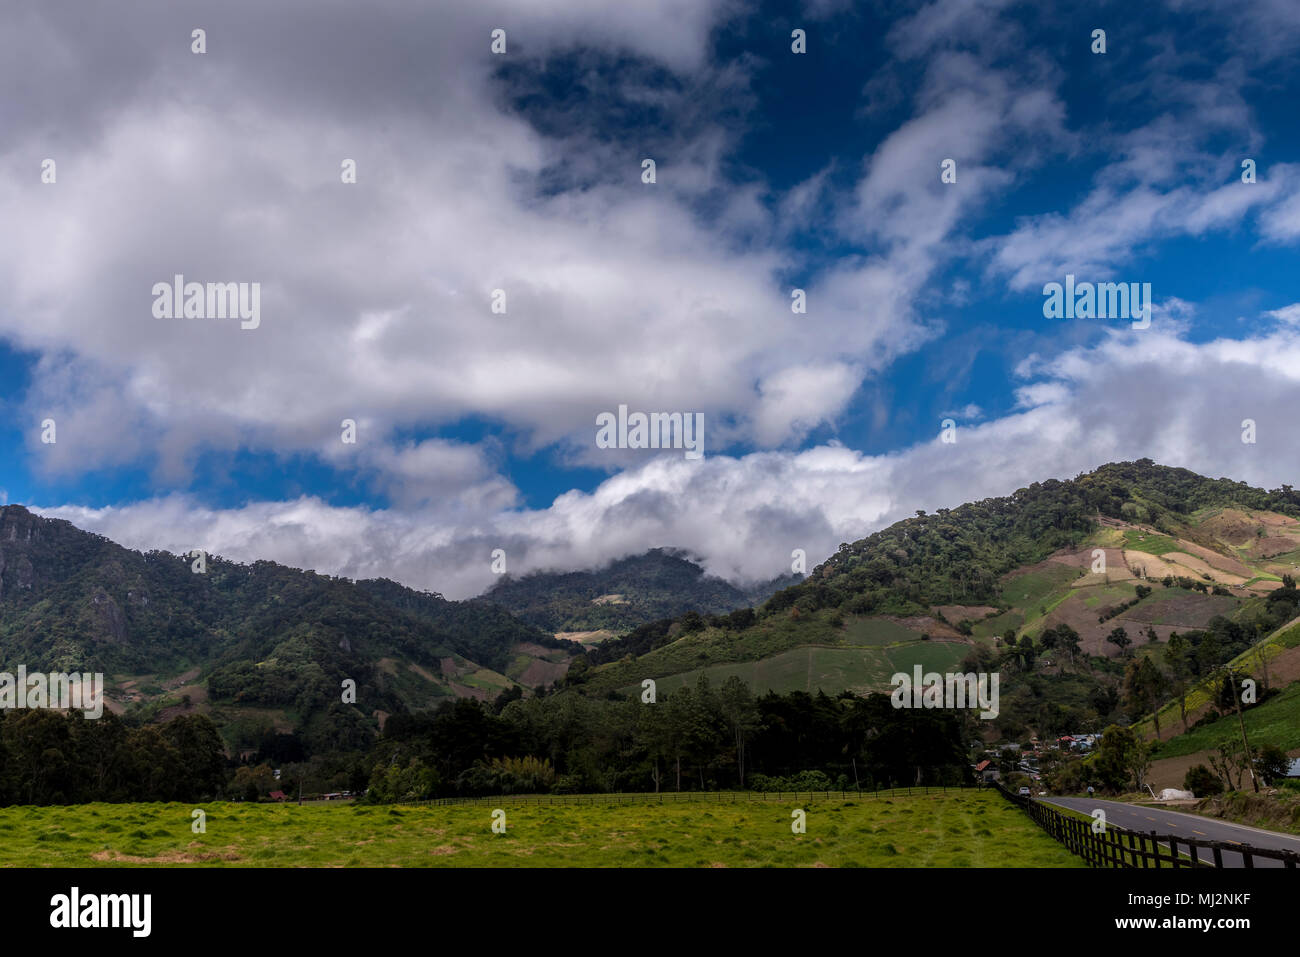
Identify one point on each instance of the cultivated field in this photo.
(952, 829)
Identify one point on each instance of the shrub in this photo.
(1202, 782)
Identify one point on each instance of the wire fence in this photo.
(685, 797)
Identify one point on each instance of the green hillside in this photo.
(1061, 587)
(257, 644)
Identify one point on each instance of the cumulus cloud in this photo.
(1123, 399)
(672, 296)
(376, 296)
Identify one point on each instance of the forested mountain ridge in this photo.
(956, 556)
(261, 635)
(627, 593)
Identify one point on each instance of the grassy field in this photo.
(811, 668)
(953, 829)
(1136, 541)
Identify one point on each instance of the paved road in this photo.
(1178, 824)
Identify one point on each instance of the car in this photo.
(1024, 792)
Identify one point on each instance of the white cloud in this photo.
(1290, 314)
(1124, 399)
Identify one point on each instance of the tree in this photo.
(1121, 758)
(1272, 763)
(1177, 661)
(1120, 639)
(1229, 763)
(200, 753)
(741, 715)
(1231, 679)
(253, 782)
(1068, 640)
(1144, 685)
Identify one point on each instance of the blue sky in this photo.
(521, 171)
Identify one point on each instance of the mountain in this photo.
(239, 639)
(1063, 587)
(632, 591)
(1034, 585)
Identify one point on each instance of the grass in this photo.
(1276, 721)
(832, 670)
(876, 631)
(1033, 595)
(953, 829)
(1157, 545)
(1288, 636)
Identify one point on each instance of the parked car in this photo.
(1024, 792)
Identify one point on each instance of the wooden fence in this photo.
(1117, 846)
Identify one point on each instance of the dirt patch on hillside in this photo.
(1073, 559)
(955, 613)
(198, 696)
(1273, 545)
(1203, 569)
(1276, 520)
(1181, 611)
(1150, 566)
(534, 650)
(450, 669)
(1170, 772)
(1232, 526)
(422, 672)
(1221, 562)
(182, 679)
(465, 691)
(542, 672)
(1117, 569)
(925, 625)
(1092, 633)
(1282, 669)
(585, 637)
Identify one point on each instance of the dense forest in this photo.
(627, 593)
(698, 738)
